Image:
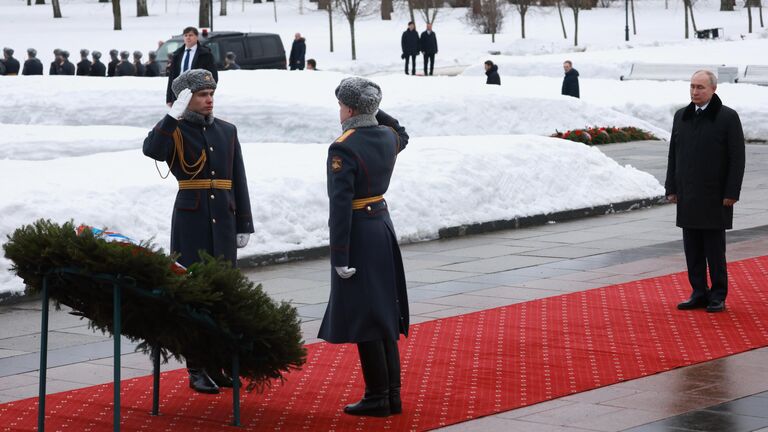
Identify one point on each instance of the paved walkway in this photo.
(456, 276)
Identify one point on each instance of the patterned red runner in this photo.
(458, 368)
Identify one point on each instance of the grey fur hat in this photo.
(113, 52)
(8, 51)
(152, 55)
(124, 55)
(96, 54)
(57, 51)
(194, 80)
(137, 54)
(32, 52)
(65, 53)
(84, 52)
(360, 94)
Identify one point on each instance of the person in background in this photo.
(570, 81)
(189, 56)
(152, 68)
(409, 43)
(66, 67)
(125, 67)
(12, 66)
(84, 65)
(229, 61)
(113, 62)
(428, 46)
(33, 65)
(492, 72)
(57, 59)
(138, 65)
(298, 51)
(97, 67)
(311, 64)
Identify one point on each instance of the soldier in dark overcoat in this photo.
(33, 65)
(368, 303)
(97, 67)
(704, 175)
(66, 67)
(212, 211)
(12, 66)
(113, 62)
(125, 67)
(84, 66)
(152, 68)
(138, 65)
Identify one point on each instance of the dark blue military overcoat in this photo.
(372, 304)
(205, 219)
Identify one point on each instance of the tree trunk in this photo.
(330, 22)
(56, 9)
(685, 6)
(575, 27)
(204, 20)
(749, 14)
(634, 27)
(386, 10)
(352, 34)
(693, 20)
(410, 10)
(760, 8)
(117, 16)
(726, 5)
(103, 1)
(522, 24)
(141, 8)
(223, 11)
(562, 21)
(477, 7)
(37, 2)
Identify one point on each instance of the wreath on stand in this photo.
(210, 312)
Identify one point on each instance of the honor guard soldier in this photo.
(368, 303)
(125, 67)
(33, 65)
(97, 68)
(113, 62)
(212, 212)
(12, 66)
(84, 66)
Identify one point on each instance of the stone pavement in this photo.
(461, 275)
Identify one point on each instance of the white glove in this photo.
(345, 272)
(178, 107)
(242, 240)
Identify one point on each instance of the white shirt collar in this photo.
(703, 107)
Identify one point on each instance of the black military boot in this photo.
(221, 377)
(393, 371)
(200, 382)
(375, 402)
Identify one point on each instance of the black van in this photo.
(253, 50)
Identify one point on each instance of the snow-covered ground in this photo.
(439, 182)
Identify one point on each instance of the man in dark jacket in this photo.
(113, 62)
(492, 72)
(33, 65)
(65, 67)
(570, 81)
(57, 60)
(368, 303)
(409, 43)
(97, 67)
(152, 68)
(84, 66)
(704, 175)
(12, 66)
(191, 55)
(230, 61)
(212, 211)
(428, 46)
(298, 51)
(125, 67)
(138, 65)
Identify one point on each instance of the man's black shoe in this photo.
(693, 303)
(716, 306)
(200, 382)
(221, 378)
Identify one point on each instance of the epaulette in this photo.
(345, 135)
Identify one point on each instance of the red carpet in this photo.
(459, 368)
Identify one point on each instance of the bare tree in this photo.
(688, 4)
(748, 4)
(522, 8)
(428, 9)
(141, 8)
(204, 19)
(328, 6)
(727, 5)
(576, 6)
(56, 9)
(562, 21)
(634, 27)
(352, 10)
(490, 18)
(386, 10)
(117, 16)
(760, 8)
(223, 10)
(37, 2)
(410, 10)
(476, 6)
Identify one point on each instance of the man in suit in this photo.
(190, 56)
(409, 44)
(428, 46)
(704, 175)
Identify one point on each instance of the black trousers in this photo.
(706, 248)
(412, 59)
(429, 58)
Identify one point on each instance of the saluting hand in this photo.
(345, 272)
(182, 101)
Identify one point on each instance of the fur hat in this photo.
(57, 51)
(194, 80)
(137, 54)
(32, 52)
(113, 52)
(360, 94)
(152, 55)
(96, 54)
(8, 51)
(84, 52)
(124, 55)
(65, 53)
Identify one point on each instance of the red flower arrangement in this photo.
(605, 135)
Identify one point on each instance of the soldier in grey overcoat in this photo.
(212, 211)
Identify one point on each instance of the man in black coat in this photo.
(190, 56)
(428, 46)
(492, 72)
(84, 66)
(368, 303)
(152, 68)
(113, 62)
(212, 211)
(570, 81)
(57, 60)
(409, 43)
(33, 65)
(97, 67)
(65, 67)
(298, 51)
(12, 66)
(138, 65)
(125, 67)
(704, 175)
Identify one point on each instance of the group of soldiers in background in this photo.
(121, 66)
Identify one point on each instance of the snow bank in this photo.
(439, 182)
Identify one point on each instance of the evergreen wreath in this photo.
(209, 313)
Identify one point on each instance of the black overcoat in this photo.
(298, 51)
(12, 66)
(428, 42)
(493, 75)
(140, 69)
(409, 42)
(83, 68)
(98, 69)
(112, 67)
(205, 219)
(571, 84)
(66, 68)
(125, 68)
(706, 165)
(152, 69)
(203, 59)
(32, 66)
(372, 304)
